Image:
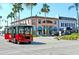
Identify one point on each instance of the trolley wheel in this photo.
(29, 42)
(10, 41)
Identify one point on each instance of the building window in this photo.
(62, 24)
(66, 24)
(33, 22)
(54, 22)
(43, 21)
(73, 25)
(21, 22)
(47, 21)
(39, 21)
(28, 21)
(69, 24)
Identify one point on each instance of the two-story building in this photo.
(45, 26)
(65, 22)
(41, 25)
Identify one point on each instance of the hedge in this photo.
(73, 36)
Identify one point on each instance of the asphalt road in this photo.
(40, 46)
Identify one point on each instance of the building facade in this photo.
(65, 22)
(45, 26)
(41, 25)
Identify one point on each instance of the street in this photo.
(40, 46)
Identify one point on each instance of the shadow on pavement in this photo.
(33, 43)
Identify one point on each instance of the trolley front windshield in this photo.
(25, 30)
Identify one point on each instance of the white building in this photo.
(65, 22)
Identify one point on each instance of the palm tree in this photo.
(30, 5)
(45, 9)
(14, 9)
(19, 9)
(11, 15)
(76, 6)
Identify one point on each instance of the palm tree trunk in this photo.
(11, 21)
(31, 10)
(36, 26)
(45, 23)
(18, 15)
(7, 23)
(14, 18)
(77, 19)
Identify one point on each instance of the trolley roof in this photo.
(22, 25)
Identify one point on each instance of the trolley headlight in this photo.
(10, 36)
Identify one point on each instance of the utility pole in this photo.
(77, 21)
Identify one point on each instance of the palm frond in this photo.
(45, 8)
(30, 4)
(70, 7)
(0, 6)
(11, 15)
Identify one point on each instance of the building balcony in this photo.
(48, 24)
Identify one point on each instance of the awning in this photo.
(53, 28)
(39, 28)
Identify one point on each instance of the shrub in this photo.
(73, 36)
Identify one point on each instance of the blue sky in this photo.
(56, 9)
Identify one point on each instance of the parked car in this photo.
(55, 33)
